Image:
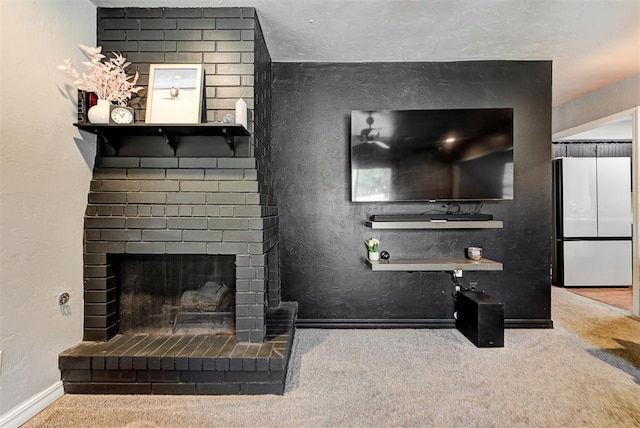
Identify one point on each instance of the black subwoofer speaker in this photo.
(480, 318)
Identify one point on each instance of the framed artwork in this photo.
(175, 93)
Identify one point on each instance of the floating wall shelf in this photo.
(112, 134)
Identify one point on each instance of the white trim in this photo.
(590, 125)
(32, 406)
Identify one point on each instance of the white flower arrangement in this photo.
(107, 79)
(372, 244)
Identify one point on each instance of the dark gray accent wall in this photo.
(322, 232)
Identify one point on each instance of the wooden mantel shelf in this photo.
(434, 264)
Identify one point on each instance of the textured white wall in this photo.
(45, 167)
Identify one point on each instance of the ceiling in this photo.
(592, 43)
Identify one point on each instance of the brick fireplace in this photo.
(153, 205)
(193, 205)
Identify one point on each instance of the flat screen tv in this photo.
(432, 155)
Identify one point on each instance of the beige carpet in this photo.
(421, 378)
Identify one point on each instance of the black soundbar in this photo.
(431, 217)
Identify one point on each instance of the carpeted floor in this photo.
(571, 376)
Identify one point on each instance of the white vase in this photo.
(374, 256)
(99, 113)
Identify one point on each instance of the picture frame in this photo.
(174, 94)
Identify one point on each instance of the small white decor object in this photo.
(100, 112)
(474, 253)
(241, 112)
(175, 93)
(372, 246)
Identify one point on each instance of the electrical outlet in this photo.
(457, 273)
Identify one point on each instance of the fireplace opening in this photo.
(175, 294)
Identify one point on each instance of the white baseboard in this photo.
(31, 407)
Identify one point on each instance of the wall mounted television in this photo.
(432, 155)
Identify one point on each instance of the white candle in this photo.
(241, 112)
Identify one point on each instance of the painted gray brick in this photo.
(158, 162)
(104, 247)
(109, 173)
(242, 236)
(239, 24)
(159, 186)
(147, 198)
(257, 248)
(244, 323)
(185, 174)
(157, 46)
(185, 211)
(247, 211)
(233, 68)
(222, 12)
(196, 46)
(186, 248)
(227, 211)
(144, 210)
(247, 80)
(138, 12)
(200, 211)
(113, 34)
(104, 222)
(107, 198)
(118, 24)
(131, 210)
(248, 35)
(258, 259)
(221, 80)
(144, 35)
(120, 235)
(187, 223)
(199, 186)
(120, 46)
(250, 174)
(225, 199)
(146, 173)
(161, 235)
(241, 310)
(183, 57)
(182, 12)
(228, 224)
(224, 174)
(236, 163)
(146, 223)
(218, 104)
(221, 35)
(257, 285)
(116, 12)
(92, 234)
(196, 24)
(239, 92)
(227, 248)
(121, 185)
(221, 58)
(145, 247)
(158, 24)
(157, 211)
(248, 58)
(242, 260)
(186, 198)
(202, 235)
(238, 186)
(213, 211)
(253, 199)
(120, 162)
(145, 57)
(197, 162)
(172, 210)
(183, 35)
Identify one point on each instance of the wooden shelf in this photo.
(435, 224)
(434, 264)
(113, 134)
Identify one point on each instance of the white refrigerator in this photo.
(593, 215)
